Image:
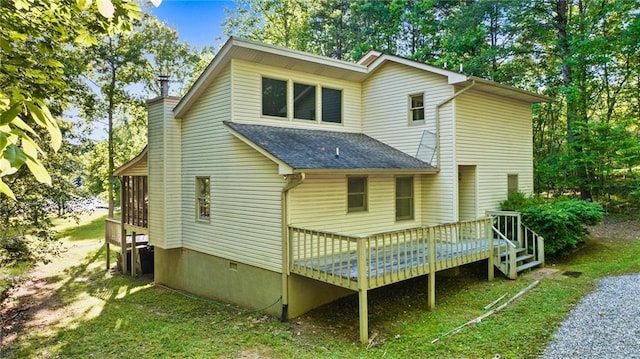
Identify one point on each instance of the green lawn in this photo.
(125, 317)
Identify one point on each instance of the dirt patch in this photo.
(612, 229)
(33, 302)
(545, 273)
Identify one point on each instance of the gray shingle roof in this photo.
(316, 149)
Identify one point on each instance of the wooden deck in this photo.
(362, 263)
(372, 261)
(367, 262)
(126, 237)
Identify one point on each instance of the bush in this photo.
(560, 221)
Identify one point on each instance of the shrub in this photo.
(516, 201)
(560, 221)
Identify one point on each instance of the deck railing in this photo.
(112, 231)
(383, 258)
(508, 226)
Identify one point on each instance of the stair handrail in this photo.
(509, 254)
(537, 243)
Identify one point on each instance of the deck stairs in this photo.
(518, 247)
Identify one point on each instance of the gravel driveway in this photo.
(604, 324)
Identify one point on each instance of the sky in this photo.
(198, 22)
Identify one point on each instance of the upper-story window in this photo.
(416, 107)
(304, 102)
(331, 105)
(274, 97)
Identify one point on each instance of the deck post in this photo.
(489, 235)
(123, 247)
(431, 286)
(133, 254)
(363, 311)
(106, 244)
(364, 316)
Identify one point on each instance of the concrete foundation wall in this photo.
(240, 284)
(218, 278)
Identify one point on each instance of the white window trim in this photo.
(410, 109)
(200, 218)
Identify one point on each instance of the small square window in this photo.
(203, 198)
(274, 97)
(416, 107)
(331, 105)
(356, 194)
(404, 198)
(304, 102)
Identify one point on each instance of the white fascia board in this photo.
(203, 80)
(452, 77)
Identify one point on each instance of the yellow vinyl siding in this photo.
(320, 203)
(386, 118)
(245, 218)
(164, 179)
(495, 134)
(247, 99)
(386, 104)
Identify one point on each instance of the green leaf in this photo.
(8, 116)
(85, 38)
(23, 125)
(4, 189)
(36, 113)
(105, 7)
(30, 148)
(43, 117)
(84, 4)
(14, 155)
(6, 168)
(38, 170)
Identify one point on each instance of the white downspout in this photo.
(446, 101)
(293, 181)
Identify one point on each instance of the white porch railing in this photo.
(525, 247)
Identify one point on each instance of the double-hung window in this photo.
(356, 194)
(304, 102)
(404, 198)
(331, 105)
(416, 108)
(274, 97)
(203, 198)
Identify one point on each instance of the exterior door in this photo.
(467, 201)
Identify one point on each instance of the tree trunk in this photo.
(573, 93)
(110, 109)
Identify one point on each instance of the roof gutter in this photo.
(446, 101)
(293, 181)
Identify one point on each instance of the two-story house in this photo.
(291, 177)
